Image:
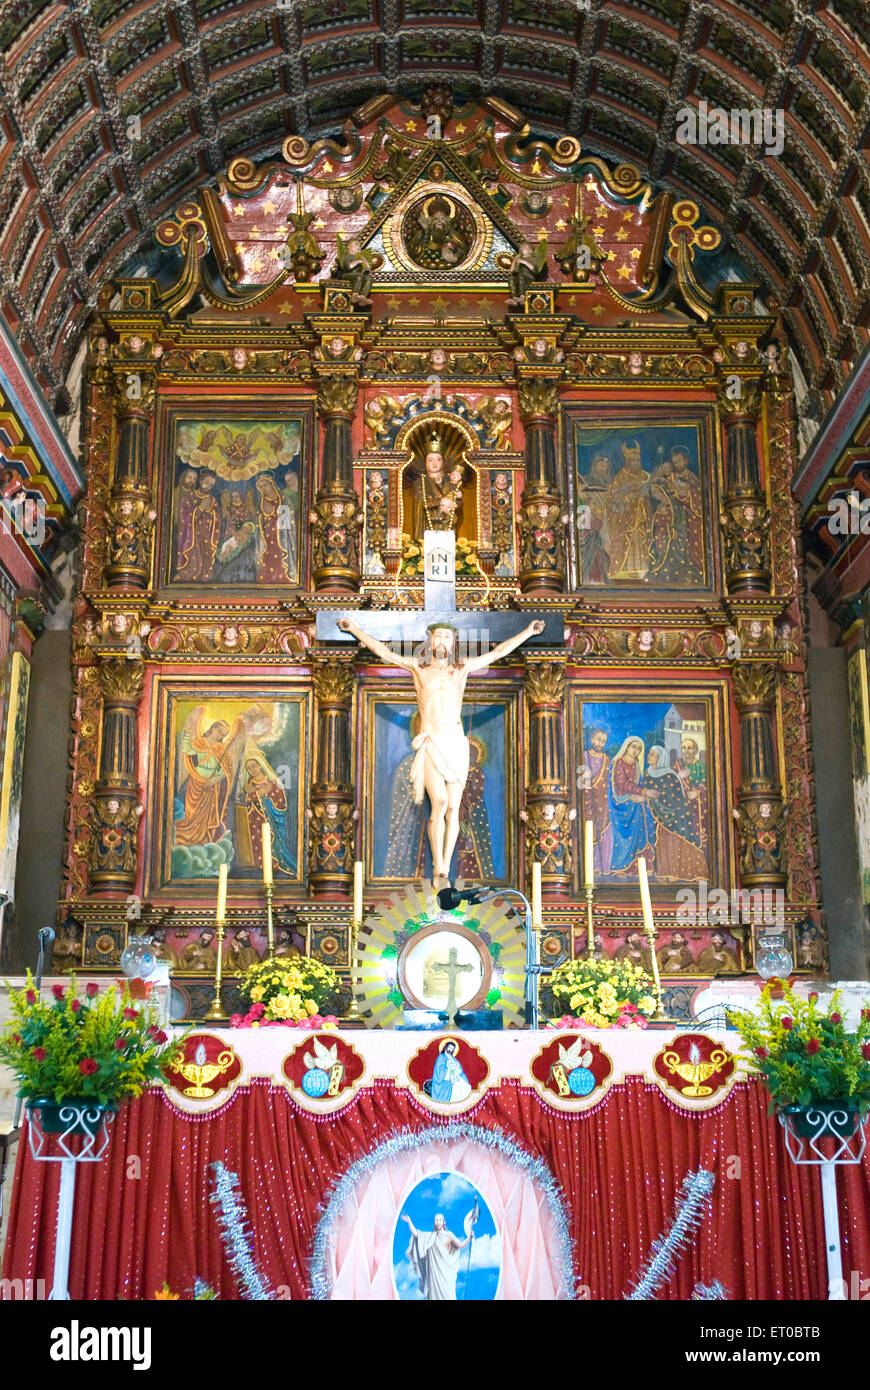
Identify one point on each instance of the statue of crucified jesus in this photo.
(440, 767)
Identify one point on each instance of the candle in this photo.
(537, 913)
(358, 891)
(644, 896)
(267, 852)
(588, 865)
(222, 893)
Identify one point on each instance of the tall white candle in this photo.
(221, 912)
(644, 894)
(357, 891)
(588, 863)
(267, 852)
(537, 908)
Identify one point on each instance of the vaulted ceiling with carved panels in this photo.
(112, 110)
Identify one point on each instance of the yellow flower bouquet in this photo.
(603, 993)
(293, 990)
(412, 559)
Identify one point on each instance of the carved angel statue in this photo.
(379, 414)
(572, 1056)
(497, 415)
(356, 266)
(529, 264)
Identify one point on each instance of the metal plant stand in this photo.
(90, 1122)
(846, 1147)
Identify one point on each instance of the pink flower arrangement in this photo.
(254, 1019)
(628, 1017)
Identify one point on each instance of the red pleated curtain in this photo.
(143, 1216)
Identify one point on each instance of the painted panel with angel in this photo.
(233, 765)
(233, 505)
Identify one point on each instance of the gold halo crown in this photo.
(435, 445)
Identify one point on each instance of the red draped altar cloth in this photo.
(619, 1154)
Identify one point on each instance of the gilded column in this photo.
(337, 516)
(131, 515)
(542, 523)
(332, 815)
(114, 824)
(760, 813)
(745, 515)
(547, 817)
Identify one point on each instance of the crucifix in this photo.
(432, 646)
(451, 968)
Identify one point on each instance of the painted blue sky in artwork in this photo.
(454, 1196)
(621, 719)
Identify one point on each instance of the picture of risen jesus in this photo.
(435, 1254)
(440, 767)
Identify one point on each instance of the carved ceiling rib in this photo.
(212, 82)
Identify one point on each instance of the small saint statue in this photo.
(528, 265)
(357, 267)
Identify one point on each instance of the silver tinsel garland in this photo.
(691, 1210)
(408, 1140)
(659, 1268)
(703, 1293)
(235, 1233)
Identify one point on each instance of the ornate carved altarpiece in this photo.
(617, 442)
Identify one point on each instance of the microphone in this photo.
(450, 897)
(46, 936)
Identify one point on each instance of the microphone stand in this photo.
(46, 936)
(533, 969)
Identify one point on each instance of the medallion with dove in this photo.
(571, 1070)
(325, 1069)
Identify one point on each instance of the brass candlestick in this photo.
(353, 939)
(590, 929)
(216, 1013)
(651, 935)
(270, 929)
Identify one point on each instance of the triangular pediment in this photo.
(440, 223)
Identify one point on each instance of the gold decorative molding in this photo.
(754, 684)
(538, 396)
(337, 394)
(121, 681)
(544, 679)
(333, 680)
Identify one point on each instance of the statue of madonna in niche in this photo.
(438, 495)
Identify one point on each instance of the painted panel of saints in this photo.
(232, 766)
(641, 514)
(646, 777)
(234, 505)
(397, 832)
